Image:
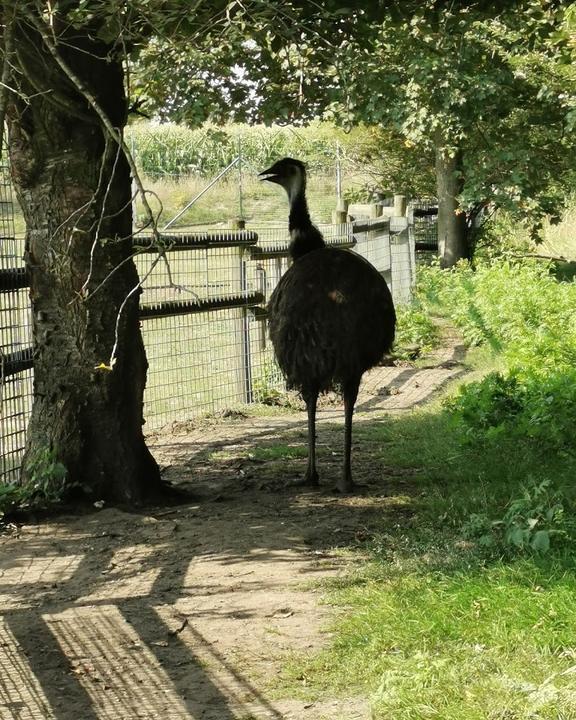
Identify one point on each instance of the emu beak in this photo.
(269, 175)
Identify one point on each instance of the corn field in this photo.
(174, 150)
(179, 165)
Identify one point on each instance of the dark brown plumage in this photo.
(331, 316)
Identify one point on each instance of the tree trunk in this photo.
(73, 184)
(452, 230)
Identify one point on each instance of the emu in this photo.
(331, 316)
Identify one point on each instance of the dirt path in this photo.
(188, 612)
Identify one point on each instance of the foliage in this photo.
(515, 306)
(495, 83)
(10, 499)
(416, 332)
(539, 520)
(464, 608)
(528, 405)
(268, 384)
(481, 490)
(47, 483)
(46, 488)
(393, 164)
(525, 315)
(532, 520)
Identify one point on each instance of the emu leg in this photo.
(346, 484)
(311, 477)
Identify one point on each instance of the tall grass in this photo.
(231, 198)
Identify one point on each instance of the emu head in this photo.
(289, 173)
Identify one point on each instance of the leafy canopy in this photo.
(495, 82)
(492, 81)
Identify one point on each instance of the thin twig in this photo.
(101, 218)
(76, 215)
(95, 105)
(115, 269)
(536, 256)
(136, 287)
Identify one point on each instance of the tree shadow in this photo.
(122, 615)
(85, 611)
(564, 271)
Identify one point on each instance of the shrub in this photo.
(527, 316)
(528, 405)
(537, 521)
(45, 489)
(516, 307)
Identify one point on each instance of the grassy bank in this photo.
(463, 606)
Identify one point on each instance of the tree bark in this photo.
(73, 184)
(452, 229)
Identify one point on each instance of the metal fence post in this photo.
(245, 340)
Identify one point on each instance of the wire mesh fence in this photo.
(203, 317)
(213, 356)
(15, 338)
(423, 214)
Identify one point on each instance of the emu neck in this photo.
(304, 235)
(299, 218)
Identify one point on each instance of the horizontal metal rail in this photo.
(200, 240)
(361, 226)
(185, 307)
(259, 312)
(425, 212)
(21, 360)
(15, 362)
(283, 249)
(426, 246)
(14, 279)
